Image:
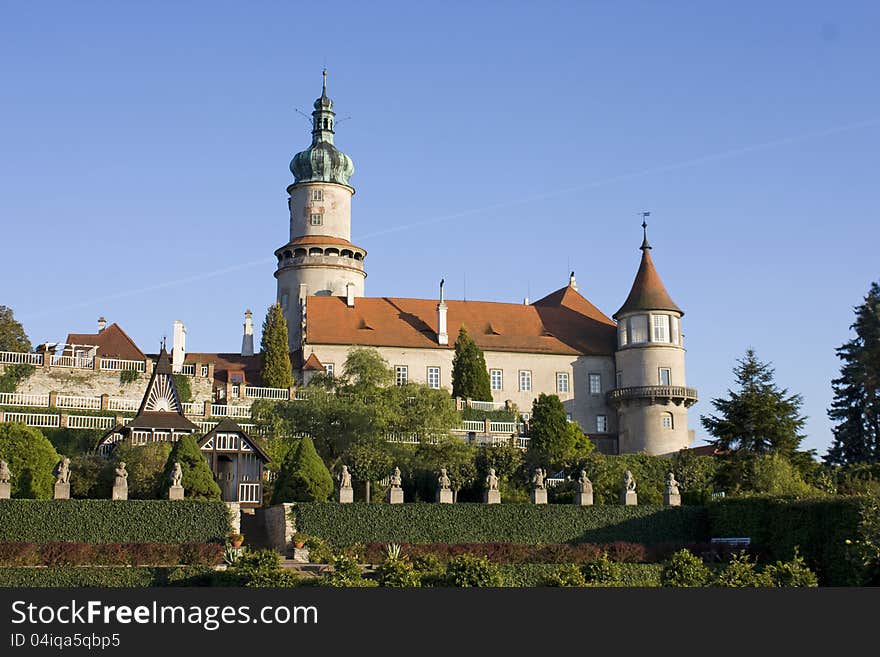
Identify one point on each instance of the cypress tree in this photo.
(303, 476)
(470, 378)
(274, 350)
(198, 480)
(856, 404)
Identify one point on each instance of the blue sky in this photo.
(497, 144)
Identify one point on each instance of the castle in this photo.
(623, 382)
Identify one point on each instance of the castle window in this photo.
(400, 375)
(666, 421)
(204, 371)
(525, 380)
(675, 329)
(434, 377)
(496, 379)
(329, 369)
(317, 194)
(621, 334)
(638, 327)
(618, 380)
(316, 219)
(595, 384)
(665, 376)
(562, 382)
(661, 328)
(601, 424)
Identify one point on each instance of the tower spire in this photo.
(645, 246)
(324, 88)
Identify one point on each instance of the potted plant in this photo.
(236, 540)
(299, 539)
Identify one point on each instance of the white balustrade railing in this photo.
(250, 493)
(473, 425)
(119, 364)
(23, 399)
(33, 419)
(90, 422)
(20, 358)
(225, 410)
(78, 362)
(502, 427)
(120, 404)
(486, 405)
(255, 392)
(522, 442)
(300, 394)
(82, 403)
(193, 408)
(205, 426)
(189, 370)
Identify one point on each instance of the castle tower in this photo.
(650, 393)
(319, 259)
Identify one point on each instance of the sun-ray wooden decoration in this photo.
(163, 395)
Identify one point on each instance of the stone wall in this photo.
(279, 526)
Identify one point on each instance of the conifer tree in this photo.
(198, 480)
(274, 350)
(759, 418)
(470, 378)
(303, 476)
(553, 440)
(856, 404)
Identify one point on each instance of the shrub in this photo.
(31, 458)
(793, 573)
(303, 476)
(113, 521)
(346, 573)
(128, 376)
(184, 389)
(740, 572)
(624, 552)
(80, 576)
(566, 575)
(430, 569)
(198, 480)
(602, 572)
(319, 551)
(201, 554)
(684, 570)
(111, 554)
(20, 554)
(65, 554)
(399, 572)
(469, 571)
(91, 477)
(145, 465)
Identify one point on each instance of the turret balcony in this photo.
(678, 395)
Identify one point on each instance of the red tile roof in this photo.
(225, 363)
(647, 291)
(305, 240)
(111, 342)
(312, 363)
(563, 322)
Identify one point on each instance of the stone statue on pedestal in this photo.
(120, 484)
(492, 480)
(443, 480)
(344, 477)
(628, 494)
(62, 479)
(444, 491)
(583, 496)
(5, 478)
(672, 495)
(539, 491)
(346, 492)
(538, 478)
(395, 493)
(175, 492)
(395, 478)
(492, 494)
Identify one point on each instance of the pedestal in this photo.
(62, 491)
(672, 499)
(583, 499)
(539, 496)
(492, 497)
(4, 491)
(346, 495)
(629, 498)
(120, 492)
(174, 493)
(394, 496)
(444, 496)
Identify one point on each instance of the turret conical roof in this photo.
(648, 292)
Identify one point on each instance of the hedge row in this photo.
(110, 554)
(516, 553)
(71, 576)
(819, 528)
(114, 521)
(345, 524)
(536, 574)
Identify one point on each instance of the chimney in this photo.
(525, 301)
(349, 295)
(572, 283)
(442, 335)
(102, 324)
(178, 347)
(247, 340)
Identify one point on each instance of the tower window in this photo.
(661, 328)
(496, 379)
(621, 334)
(638, 326)
(400, 374)
(665, 376)
(675, 328)
(601, 423)
(434, 377)
(316, 219)
(666, 421)
(618, 379)
(525, 380)
(562, 382)
(325, 124)
(595, 384)
(317, 194)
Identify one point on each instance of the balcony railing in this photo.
(120, 364)
(82, 403)
(78, 362)
(20, 358)
(23, 399)
(255, 392)
(675, 394)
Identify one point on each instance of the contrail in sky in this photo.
(684, 164)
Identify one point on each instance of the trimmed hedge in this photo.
(110, 554)
(819, 527)
(71, 576)
(536, 574)
(114, 521)
(345, 524)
